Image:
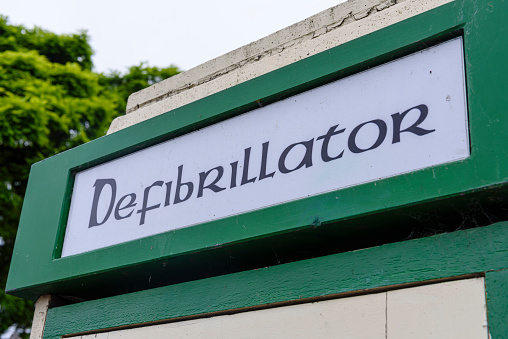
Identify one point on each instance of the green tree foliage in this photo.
(50, 101)
(56, 48)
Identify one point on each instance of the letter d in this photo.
(99, 185)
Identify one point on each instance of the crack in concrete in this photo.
(349, 18)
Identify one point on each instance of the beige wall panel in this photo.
(447, 310)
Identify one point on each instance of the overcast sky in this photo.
(183, 33)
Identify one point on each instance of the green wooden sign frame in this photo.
(37, 267)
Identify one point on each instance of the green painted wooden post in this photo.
(496, 285)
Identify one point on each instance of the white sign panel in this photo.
(400, 117)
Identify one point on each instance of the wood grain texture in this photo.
(451, 309)
(454, 254)
(320, 320)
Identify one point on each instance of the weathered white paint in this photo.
(431, 80)
(39, 320)
(330, 28)
(440, 311)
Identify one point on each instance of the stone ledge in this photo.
(327, 29)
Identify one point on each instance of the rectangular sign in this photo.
(400, 117)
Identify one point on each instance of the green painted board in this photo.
(480, 251)
(38, 269)
(497, 303)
